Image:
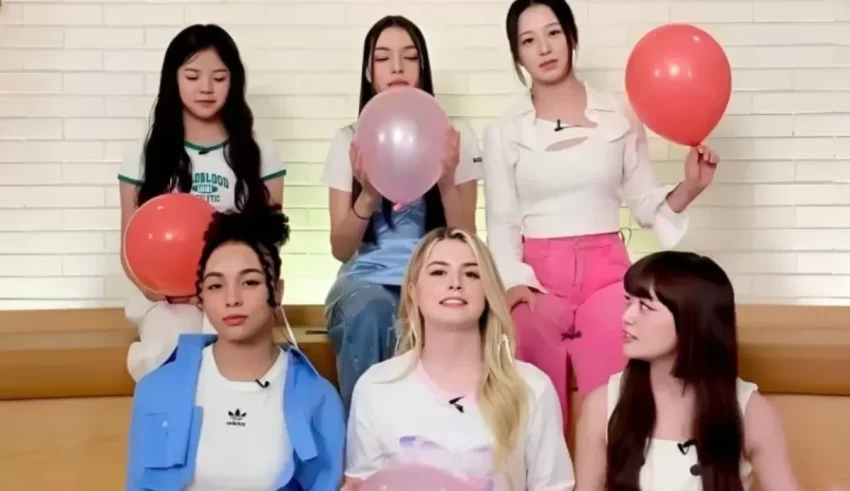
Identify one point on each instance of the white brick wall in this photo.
(77, 80)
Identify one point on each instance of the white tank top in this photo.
(669, 469)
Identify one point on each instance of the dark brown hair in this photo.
(435, 215)
(700, 297)
(264, 230)
(562, 12)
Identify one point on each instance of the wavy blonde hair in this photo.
(502, 395)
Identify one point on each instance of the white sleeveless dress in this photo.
(669, 469)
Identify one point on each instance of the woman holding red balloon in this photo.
(557, 167)
(236, 410)
(201, 142)
(377, 216)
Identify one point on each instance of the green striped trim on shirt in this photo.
(275, 175)
(129, 180)
(134, 182)
(203, 148)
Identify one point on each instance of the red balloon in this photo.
(164, 240)
(679, 81)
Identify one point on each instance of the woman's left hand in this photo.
(451, 159)
(191, 300)
(700, 166)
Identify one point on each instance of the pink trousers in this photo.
(578, 322)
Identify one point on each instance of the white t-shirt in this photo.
(212, 178)
(410, 421)
(337, 172)
(243, 440)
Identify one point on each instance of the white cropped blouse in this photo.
(533, 191)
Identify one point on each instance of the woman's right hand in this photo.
(520, 294)
(360, 172)
(152, 295)
(190, 300)
(351, 484)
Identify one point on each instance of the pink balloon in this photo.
(414, 478)
(402, 136)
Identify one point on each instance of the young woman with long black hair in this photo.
(201, 141)
(367, 234)
(679, 418)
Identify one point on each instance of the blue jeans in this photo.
(361, 325)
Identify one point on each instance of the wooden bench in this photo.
(65, 394)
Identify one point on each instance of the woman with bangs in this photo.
(454, 397)
(678, 418)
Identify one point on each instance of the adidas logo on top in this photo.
(236, 418)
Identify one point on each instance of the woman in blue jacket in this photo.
(235, 410)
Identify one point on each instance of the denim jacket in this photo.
(166, 425)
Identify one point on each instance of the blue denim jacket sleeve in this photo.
(134, 452)
(324, 473)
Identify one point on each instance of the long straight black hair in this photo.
(167, 164)
(700, 297)
(562, 12)
(435, 215)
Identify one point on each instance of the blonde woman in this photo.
(453, 397)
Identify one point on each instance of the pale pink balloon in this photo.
(414, 478)
(402, 135)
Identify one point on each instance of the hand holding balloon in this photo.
(352, 485)
(451, 159)
(359, 171)
(679, 81)
(191, 300)
(700, 166)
